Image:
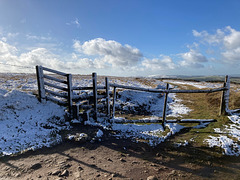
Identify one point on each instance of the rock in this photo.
(109, 159)
(122, 160)
(55, 172)
(152, 178)
(17, 175)
(39, 176)
(36, 166)
(135, 162)
(80, 168)
(114, 175)
(77, 174)
(64, 173)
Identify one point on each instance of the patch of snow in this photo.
(184, 143)
(99, 133)
(200, 85)
(228, 143)
(28, 124)
(150, 132)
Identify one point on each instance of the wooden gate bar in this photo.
(94, 81)
(107, 97)
(40, 81)
(165, 107)
(114, 101)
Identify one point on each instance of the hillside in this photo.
(37, 142)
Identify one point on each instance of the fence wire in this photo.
(13, 65)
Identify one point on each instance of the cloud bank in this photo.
(113, 58)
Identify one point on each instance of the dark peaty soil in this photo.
(113, 158)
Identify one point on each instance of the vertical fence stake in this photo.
(114, 99)
(165, 107)
(107, 97)
(70, 93)
(40, 81)
(94, 80)
(75, 110)
(225, 97)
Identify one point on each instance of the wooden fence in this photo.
(72, 101)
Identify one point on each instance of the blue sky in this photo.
(126, 38)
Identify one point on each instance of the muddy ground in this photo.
(113, 158)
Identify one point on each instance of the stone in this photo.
(114, 175)
(152, 178)
(64, 173)
(122, 160)
(36, 166)
(77, 174)
(55, 172)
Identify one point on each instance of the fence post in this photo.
(40, 81)
(165, 107)
(94, 80)
(225, 97)
(107, 96)
(75, 110)
(70, 93)
(114, 99)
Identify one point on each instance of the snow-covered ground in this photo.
(228, 137)
(27, 124)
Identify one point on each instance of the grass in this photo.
(205, 106)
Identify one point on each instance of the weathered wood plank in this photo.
(57, 101)
(101, 96)
(55, 79)
(75, 111)
(107, 97)
(54, 71)
(101, 87)
(40, 81)
(160, 120)
(165, 107)
(82, 88)
(168, 91)
(114, 101)
(70, 92)
(56, 94)
(94, 80)
(56, 86)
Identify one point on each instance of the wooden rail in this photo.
(224, 100)
(73, 105)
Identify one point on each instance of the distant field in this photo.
(234, 79)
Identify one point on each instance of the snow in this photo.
(200, 85)
(150, 132)
(28, 124)
(229, 142)
(99, 133)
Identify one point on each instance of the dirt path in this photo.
(118, 159)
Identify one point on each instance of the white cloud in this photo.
(12, 35)
(193, 59)
(75, 22)
(165, 63)
(110, 52)
(6, 50)
(44, 57)
(231, 56)
(232, 40)
(33, 37)
(228, 42)
(210, 38)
